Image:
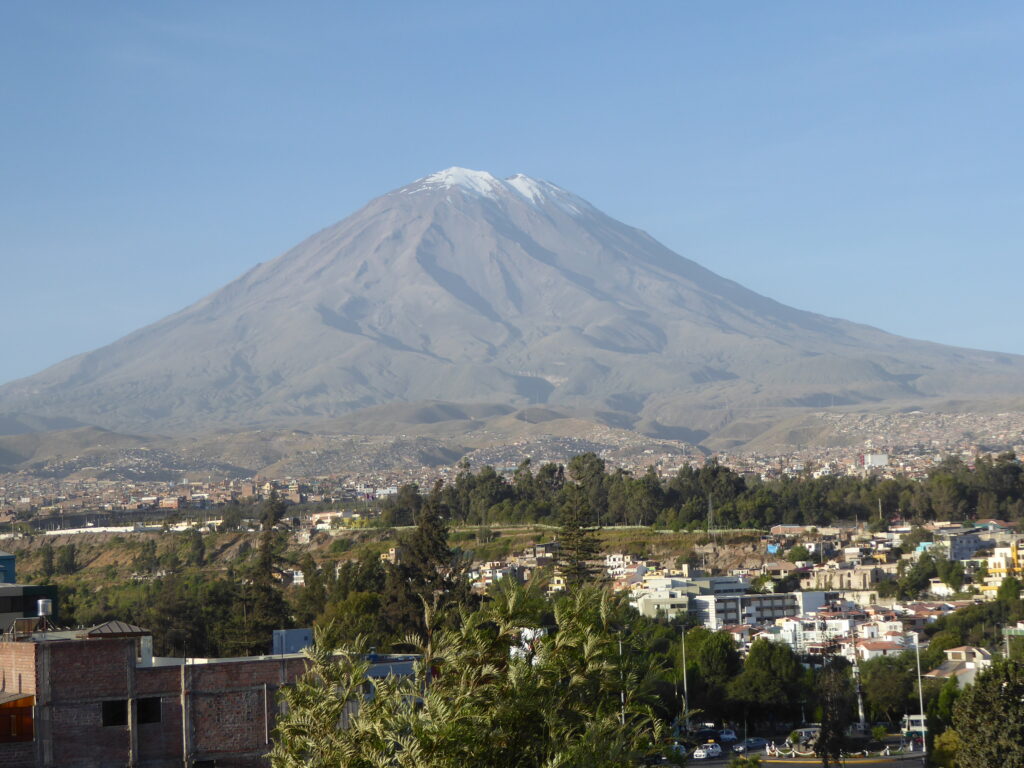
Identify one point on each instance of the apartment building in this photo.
(960, 543)
(718, 611)
(673, 595)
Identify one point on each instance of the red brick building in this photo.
(99, 698)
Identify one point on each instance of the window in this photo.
(115, 712)
(148, 710)
(16, 721)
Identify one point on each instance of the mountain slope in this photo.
(465, 288)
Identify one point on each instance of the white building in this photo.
(872, 649)
(802, 634)
(962, 664)
(717, 611)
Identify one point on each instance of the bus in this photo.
(914, 726)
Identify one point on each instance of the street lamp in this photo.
(920, 698)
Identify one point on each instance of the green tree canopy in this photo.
(799, 552)
(769, 683)
(888, 684)
(480, 698)
(989, 718)
(1009, 591)
(718, 662)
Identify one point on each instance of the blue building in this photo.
(7, 568)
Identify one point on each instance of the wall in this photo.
(233, 705)
(17, 668)
(18, 755)
(82, 675)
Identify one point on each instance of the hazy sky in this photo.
(863, 160)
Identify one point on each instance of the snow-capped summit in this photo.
(484, 184)
(479, 182)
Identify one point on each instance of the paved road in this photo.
(902, 761)
(912, 760)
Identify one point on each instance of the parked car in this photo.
(753, 744)
(727, 736)
(707, 751)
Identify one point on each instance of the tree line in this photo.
(993, 488)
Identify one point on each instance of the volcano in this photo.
(463, 288)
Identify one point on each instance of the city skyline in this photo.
(856, 162)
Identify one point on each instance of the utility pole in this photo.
(686, 692)
(622, 689)
(860, 691)
(920, 698)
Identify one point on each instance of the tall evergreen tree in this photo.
(425, 552)
(196, 549)
(312, 596)
(577, 537)
(426, 570)
(261, 607)
(272, 511)
(67, 559)
(835, 694)
(146, 561)
(46, 557)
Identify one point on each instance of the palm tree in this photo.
(577, 698)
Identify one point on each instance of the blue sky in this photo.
(862, 160)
